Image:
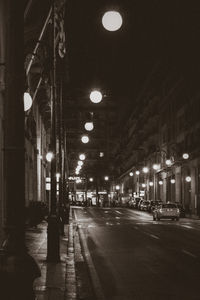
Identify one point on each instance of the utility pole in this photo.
(17, 268)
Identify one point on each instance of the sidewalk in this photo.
(67, 280)
(57, 281)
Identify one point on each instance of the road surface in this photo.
(133, 257)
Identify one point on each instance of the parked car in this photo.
(130, 203)
(167, 210)
(144, 205)
(182, 209)
(153, 204)
(136, 202)
(140, 203)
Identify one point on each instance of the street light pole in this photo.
(53, 238)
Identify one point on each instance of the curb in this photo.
(97, 288)
(70, 280)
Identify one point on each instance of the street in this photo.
(130, 256)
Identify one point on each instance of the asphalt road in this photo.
(134, 257)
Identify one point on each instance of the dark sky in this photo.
(119, 62)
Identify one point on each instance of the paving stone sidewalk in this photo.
(58, 280)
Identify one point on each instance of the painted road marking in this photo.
(154, 236)
(151, 235)
(119, 212)
(186, 226)
(189, 253)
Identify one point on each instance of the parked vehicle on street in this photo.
(131, 203)
(144, 205)
(167, 211)
(140, 203)
(136, 202)
(182, 209)
(153, 204)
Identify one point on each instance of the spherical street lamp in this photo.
(27, 101)
(160, 182)
(137, 172)
(188, 179)
(80, 163)
(151, 183)
(85, 139)
(82, 156)
(145, 169)
(91, 179)
(131, 174)
(172, 180)
(106, 178)
(143, 185)
(112, 20)
(185, 156)
(49, 156)
(156, 166)
(89, 126)
(168, 162)
(117, 187)
(96, 96)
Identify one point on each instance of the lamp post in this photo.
(53, 242)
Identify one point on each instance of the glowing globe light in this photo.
(117, 187)
(143, 185)
(82, 156)
(57, 176)
(49, 156)
(106, 178)
(85, 139)
(80, 163)
(131, 174)
(76, 172)
(160, 182)
(137, 172)
(156, 166)
(168, 162)
(145, 170)
(89, 126)
(112, 20)
(151, 183)
(188, 179)
(185, 155)
(95, 96)
(172, 180)
(27, 101)
(91, 179)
